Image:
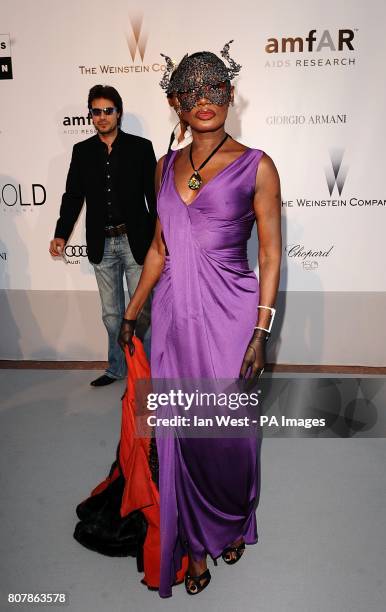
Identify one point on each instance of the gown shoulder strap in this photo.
(166, 163)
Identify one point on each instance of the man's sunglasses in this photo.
(109, 110)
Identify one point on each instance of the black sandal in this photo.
(197, 587)
(233, 550)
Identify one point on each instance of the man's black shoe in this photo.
(102, 381)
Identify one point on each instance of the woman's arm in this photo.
(153, 264)
(152, 268)
(267, 207)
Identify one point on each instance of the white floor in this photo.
(321, 517)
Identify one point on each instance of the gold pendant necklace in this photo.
(195, 180)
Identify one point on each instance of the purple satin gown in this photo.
(203, 314)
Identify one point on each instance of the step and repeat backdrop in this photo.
(311, 93)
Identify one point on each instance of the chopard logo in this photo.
(137, 38)
(298, 250)
(308, 257)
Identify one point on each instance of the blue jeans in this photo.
(117, 262)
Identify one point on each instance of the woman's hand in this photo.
(126, 334)
(254, 358)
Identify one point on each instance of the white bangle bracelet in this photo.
(262, 328)
(273, 312)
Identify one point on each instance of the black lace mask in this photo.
(216, 94)
(200, 75)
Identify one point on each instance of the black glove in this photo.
(126, 334)
(254, 358)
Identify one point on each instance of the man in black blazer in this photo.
(114, 172)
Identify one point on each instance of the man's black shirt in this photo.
(114, 213)
(128, 172)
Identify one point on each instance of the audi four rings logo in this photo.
(74, 250)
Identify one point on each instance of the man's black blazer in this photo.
(86, 179)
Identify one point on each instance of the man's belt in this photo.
(115, 230)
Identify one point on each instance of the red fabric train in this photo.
(140, 492)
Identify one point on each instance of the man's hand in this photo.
(57, 247)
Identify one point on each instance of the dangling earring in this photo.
(178, 110)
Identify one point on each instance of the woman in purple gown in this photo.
(210, 315)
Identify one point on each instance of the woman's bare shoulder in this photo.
(160, 162)
(267, 173)
(235, 146)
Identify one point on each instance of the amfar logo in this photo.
(336, 173)
(78, 124)
(308, 50)
(340, 41)
(137, 39)
(78, 120)
(5, 57)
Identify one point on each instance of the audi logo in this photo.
(75, 250)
